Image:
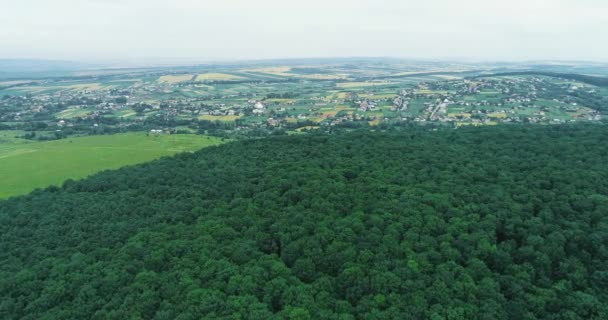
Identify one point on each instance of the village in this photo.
(161, 105)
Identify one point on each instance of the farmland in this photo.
(216, 77)
(234, 100)
(388, 115)
(26, 165)
(175, 78)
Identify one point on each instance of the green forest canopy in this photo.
(506, 222)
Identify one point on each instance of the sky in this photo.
(189, 30)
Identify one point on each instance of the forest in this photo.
(495, 222)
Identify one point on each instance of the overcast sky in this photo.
(260, 29)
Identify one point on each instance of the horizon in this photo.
(187, 62)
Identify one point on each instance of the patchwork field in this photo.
(26, 165)
(217, 77)
(72, 112)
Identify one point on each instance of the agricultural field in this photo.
(169, 79)
(217, 77)
(26, 165)
(294, 72)
(275, 98)
(218, 118)
(73, 112)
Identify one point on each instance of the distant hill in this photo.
(504, 222)
(19, 68)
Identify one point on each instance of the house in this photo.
(272, 122)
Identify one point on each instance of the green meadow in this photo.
(26, 165)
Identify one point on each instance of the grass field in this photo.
(378, 95)
(26, 165)
(125, 113)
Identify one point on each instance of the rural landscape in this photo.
(440, 169)
(106, 120)
(303, 160)
(271, 97)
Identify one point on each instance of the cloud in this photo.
(239, 29)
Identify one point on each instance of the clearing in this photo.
(26, 165)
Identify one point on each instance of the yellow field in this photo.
(270, 70)
(175, 78)
(281, 100)
(499, 115)
(374, 122)
(464, 115)
(216, 77)
(218, 118)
